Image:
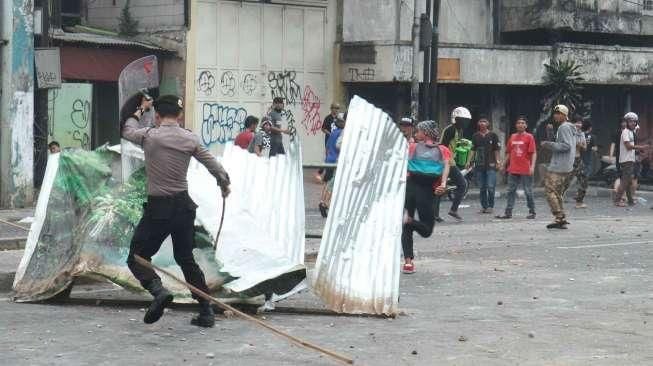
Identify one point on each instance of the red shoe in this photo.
(409, 268)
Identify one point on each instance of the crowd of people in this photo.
(435, 159)
(441, 163)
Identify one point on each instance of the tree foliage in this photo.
(562, 80)
(128, 26)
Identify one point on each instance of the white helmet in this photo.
(460, 112)
(631, 116)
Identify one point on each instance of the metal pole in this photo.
(433, 82)
(414, 90)
(426, 83)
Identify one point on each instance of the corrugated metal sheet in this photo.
(357, 269)
(101, 40)
(263, 232)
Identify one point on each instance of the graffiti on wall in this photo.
(311, 108)
(356, 74)
(221, 123)
(249, 84)
(284, 85)
(206, 83)
(228, 84)
(80, 117)
(69, 115)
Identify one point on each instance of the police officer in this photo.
(169, 209)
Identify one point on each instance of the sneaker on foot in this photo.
(556, 225)
(489, 210)
(504, 216)
(455, 215)
(580, 205)
(440, 219)
(531, 216)
(409, 268)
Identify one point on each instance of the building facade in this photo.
(491, 56)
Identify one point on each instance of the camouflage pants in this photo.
(581, 179)
(555, 185)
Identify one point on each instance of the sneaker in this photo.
(504, 217)
(440, 219)
(409, 268)
(482, 211)
(557, 225)
(531, 216)
(620, 204)
(580, 205)
(455, 215)
(488, 210)
(266, 307)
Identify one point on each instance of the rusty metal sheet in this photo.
(357, 268)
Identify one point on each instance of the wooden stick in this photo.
(14, 225)
(217, 236)
(224, 306)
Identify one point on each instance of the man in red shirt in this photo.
(521, 156)
(244, 138)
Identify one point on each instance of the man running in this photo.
(169, 210)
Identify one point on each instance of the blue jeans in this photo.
(487, 182)
(514, 180)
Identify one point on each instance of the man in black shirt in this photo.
(485, 160)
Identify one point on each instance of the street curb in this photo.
(13, 243)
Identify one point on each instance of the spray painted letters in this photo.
(284, 85)
(69, 115)
(221, 123)
(311, 108)
(206, 82)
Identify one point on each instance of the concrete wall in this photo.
(611, 64)
(151, 14)
(510, 65)
(17, 104)
(606, 16)
(468, 21)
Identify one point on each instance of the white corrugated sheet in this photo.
(263, 232)
(357, 269)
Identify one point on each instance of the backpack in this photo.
(427, 160)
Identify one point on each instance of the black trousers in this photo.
(459, 180)
(419, 198)
(163, 216)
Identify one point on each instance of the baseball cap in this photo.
(560, 108)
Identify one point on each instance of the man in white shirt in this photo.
(627, 158)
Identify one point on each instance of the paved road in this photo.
(487, 292)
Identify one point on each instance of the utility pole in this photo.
(425, 34)
(433, 81)
(16, 103)
(414, 90)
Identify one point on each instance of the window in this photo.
(648, 5)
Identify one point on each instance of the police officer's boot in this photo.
(162, 298)
(206, 316)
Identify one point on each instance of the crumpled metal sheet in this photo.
(357, 268)
(85, 218)
(263, 235)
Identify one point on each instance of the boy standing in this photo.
(245, 138)
(521, 156)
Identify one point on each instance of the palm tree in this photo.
(562, 79)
